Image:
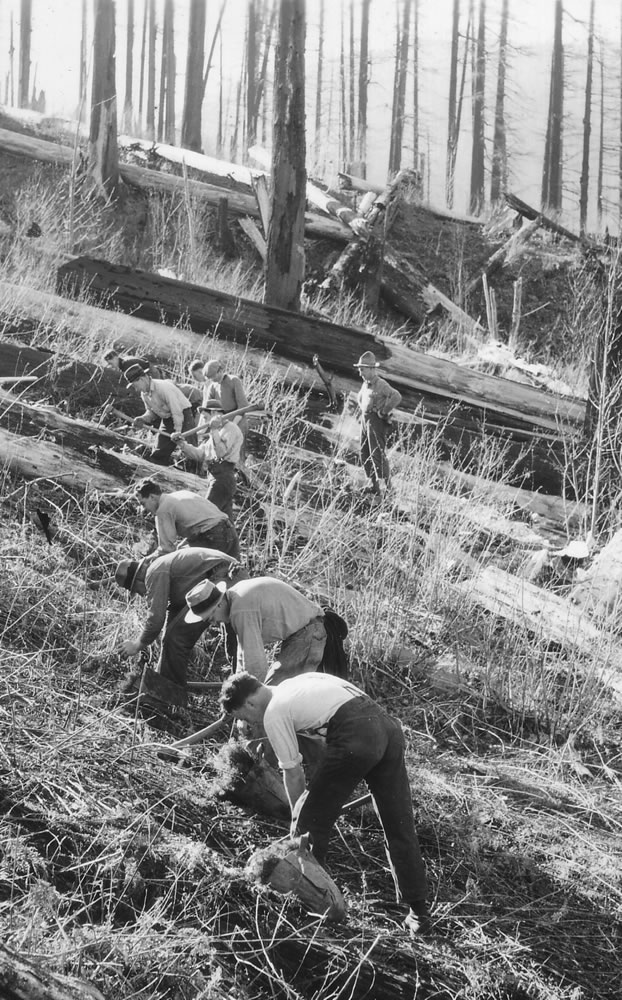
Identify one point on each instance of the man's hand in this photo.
(215, 423)
(131, 647)
(138, 422)
(176, 437)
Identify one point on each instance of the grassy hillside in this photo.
(126, 870)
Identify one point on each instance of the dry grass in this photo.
(119, 867)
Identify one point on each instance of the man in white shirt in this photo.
(362, 743)
(219, 454)
(376, 400)
(166, 407)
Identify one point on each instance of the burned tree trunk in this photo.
(499, 168)
(25, 31)
(103, 153)
(193, 95)
(285, 253)
(552, 169)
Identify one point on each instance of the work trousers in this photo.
(222, 536)
(373, 442)
(363, 742)
(223, 486)
(164, 448)
(301, 653)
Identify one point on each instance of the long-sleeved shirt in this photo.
(183, 514)
(262, 611)
(164, 399)
(304, 705)
(229, 392)
(168, 580)
(232, 440)
(380, 398)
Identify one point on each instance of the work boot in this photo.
(418, 920)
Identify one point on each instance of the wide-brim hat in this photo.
(133, 373)
(367, 360)
(203, 597)
(211, 404)
(126, 573)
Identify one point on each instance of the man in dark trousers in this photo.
(184, 516)
(164, 582)
(362, 743)
(375, 400)
(218, 454)
(166, 407)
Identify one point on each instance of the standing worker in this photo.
(165, 407)
(229, 392)
(362, 743)
(375, 400)
(187, 517)
(219, 454)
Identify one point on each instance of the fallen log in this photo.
(551, 619)
(239, 202)
(504, 253)
(23, 979)
(528, 212)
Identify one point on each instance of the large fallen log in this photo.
(23, 979)
(240, 203)
(550, 619)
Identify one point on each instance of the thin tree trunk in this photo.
(552, 171)
(318, 88)
(601, 141)
(363, 82)
(83, 74)
(217, 35)
(399, 104)
(416, 163)
(351, 89)
(25, 31)
(262, 75)
(587, 127)
(452, 138)
(193, 93)
(476, 203)
(251, 74)
(151, 71)
(220, 140)
(103, 153)
(171, 64)
(499, 169)
(143, 54)
(129, 67)
(343, 127)
(285, 251)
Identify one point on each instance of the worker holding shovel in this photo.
(376, 400)
(218, 453)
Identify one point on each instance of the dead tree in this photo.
(143, 53)
(129, 66)
(151, 71)
(476, 202)
(193, 93)
(285, 252)
(587, 126)
(499, 168)
(399, 91)
(25, 31)
(83, 72)
(552, 169)
(251, 72)
(103, 153)
(361, 130)
(416, 86)
(166, 112)
(318, 86)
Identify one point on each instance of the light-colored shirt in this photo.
(231, 437)
(304, 706)
(164, 399)
(183, 514)
(262, 611)
(380, 399)
(169, 578)
(229, 392)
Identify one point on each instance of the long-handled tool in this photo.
(204, 428)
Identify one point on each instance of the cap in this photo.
(367, 360)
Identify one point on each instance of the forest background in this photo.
(61, 61)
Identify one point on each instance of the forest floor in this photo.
(126, 870)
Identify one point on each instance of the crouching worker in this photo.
(362, 743)
(164, 582)
(260, 612)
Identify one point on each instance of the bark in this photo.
(151, 71)
(499, 169)
(23, 979)
(532, 213)
(25, 31)
(103, 155)
(587, 127)
(416, 163)
(143, 55)
(601, 142)
(504, 253)
(477, 198)
(364, 60)
(12, 65)
(129, 67)
(193, 94)
(343, 118)
(452, 138)
(399, 102)
(166, 114)
(251, 73)
(285, 263)
(553, 149)
(318, 87)
(83, 70)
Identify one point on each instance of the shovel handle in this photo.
(202, 734)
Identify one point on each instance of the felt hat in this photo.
(211, 368)
(126, 572)
(367, 360)
(203, 597)
(133, 373)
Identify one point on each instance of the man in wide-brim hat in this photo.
(376, 400)
(218, 454)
